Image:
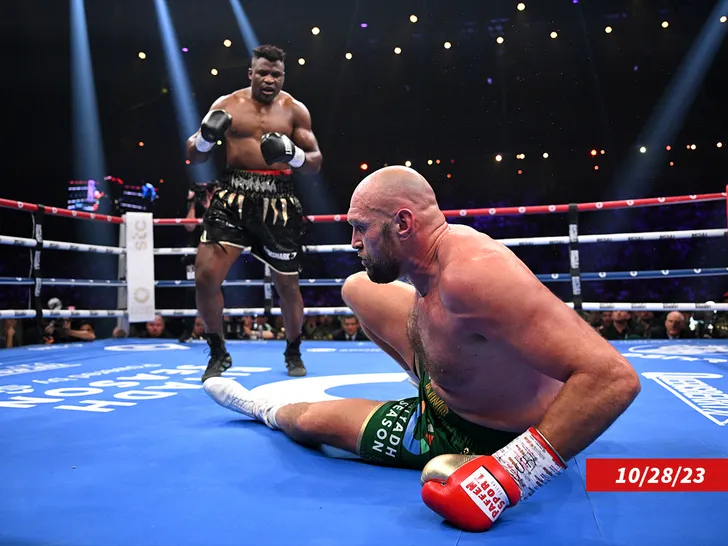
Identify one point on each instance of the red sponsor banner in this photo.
(653, 475)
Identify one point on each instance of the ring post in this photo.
(36, 273)
(574, 269)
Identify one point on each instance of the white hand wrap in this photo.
(531, 461)
(201, 145)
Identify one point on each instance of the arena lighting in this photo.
(449, 175)
(407, 163)
(520, 171)
(364, 25)
(608, 30)
(672, 163)
(227, 43)
(521, 6)
(668, 148)
(301, 61)
(187, 161)
(545, 155)
(448, 45)
(185, 50)
(315, 31)
(593, 152)
(693, 147)
(219, 142)
(141, 144)
(413, 18)
(719, 145)
(499, 158)
(429, 161)
(363, 166)
(437, 161)
(596, 167)
(397, 50)
(349, 56)
(643, 150)
(214, 72)
(723, 19)
(500, 39)
(142, 55)
(665, 24)
(554, 35)
(603, 152)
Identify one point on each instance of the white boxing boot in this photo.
(233, 396)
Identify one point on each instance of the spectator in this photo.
(9, 335)
(620, 327)
(350, 330)
(674, 327)
(156, 328)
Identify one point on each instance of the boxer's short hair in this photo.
(270, 53)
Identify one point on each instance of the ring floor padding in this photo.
(115, 443)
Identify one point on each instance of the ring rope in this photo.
(543, 277)
(461, 213)
(236, 312)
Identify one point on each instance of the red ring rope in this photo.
(461, 213)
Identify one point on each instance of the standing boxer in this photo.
(267, 133)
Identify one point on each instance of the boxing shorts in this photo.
(258, 209)
(408, 433)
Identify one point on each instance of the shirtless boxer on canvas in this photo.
(503, 400)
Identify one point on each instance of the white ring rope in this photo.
(237, 312)
(521, 241)
(513, 242)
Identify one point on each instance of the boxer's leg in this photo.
(383, 311)
(336, 423)
(211, 267)
(292, 308)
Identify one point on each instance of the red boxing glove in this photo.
(469, 491)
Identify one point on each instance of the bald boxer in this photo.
(503, 401)
(267, 134)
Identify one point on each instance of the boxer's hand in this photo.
(212, 129)
(278, 148)
(469, 491)
(477, 489)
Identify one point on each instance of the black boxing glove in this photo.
(212, 129)
(278, 148)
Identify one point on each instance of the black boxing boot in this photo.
(293, 358)
(220, 359)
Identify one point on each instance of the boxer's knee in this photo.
(355, 288)
(206, 277)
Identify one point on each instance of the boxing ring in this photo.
(113, 442)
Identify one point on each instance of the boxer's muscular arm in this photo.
(506, 303)
(304, 138)
(193, 154)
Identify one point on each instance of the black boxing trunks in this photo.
(258, 209)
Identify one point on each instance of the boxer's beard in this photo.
(386, 268)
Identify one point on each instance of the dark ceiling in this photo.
(586, 89)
